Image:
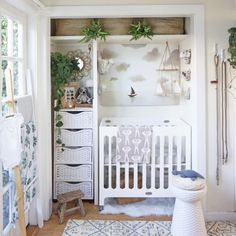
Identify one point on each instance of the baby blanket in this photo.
(134, 144)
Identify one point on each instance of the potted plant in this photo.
(232, 47)
(139, 30)
(61, 71)
(93, 32)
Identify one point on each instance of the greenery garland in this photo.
(232, 47)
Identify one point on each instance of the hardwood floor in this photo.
(52, 228)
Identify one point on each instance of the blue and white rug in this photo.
(138, 228)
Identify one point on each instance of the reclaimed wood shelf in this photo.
(119, 26)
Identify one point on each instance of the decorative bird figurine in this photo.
(132, 93)
(193, 175)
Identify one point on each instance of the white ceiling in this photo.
(115, 2)
(91, 2)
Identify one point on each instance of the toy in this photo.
(83, 96)
(193, 175)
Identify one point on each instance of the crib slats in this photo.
(144, 185)
(101, 163)
(179, 150)
(162, 146)
(117, 174)
(154, 141)
(170, 152)
(135, 176)
(110, 163)
(188, 150)
(126, 175)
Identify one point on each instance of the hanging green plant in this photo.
(232, 47)
(61, 71)
(59, 124)
(93, 32)
(139, 30)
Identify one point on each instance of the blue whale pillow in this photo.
(193, 175)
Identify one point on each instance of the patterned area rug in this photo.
(138, 228)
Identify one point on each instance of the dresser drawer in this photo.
(64, 187)
(73, 173)
(81, 155)
(76, 119)
(74, 138)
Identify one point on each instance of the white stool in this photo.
(188, 219)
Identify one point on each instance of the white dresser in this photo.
(73, 164)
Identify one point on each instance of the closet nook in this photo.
(161, 97)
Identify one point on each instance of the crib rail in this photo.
(170, 150)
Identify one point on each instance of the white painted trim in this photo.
(234, 143)
(1, 192)
(124, 11)
(43, 116)
(12, 11)
(200, 97)
(39, 4)
(95, 122)
(220, 216)
(196, 12)
(26, 6)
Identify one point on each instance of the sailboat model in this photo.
(132, 93)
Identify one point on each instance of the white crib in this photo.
(170, 150)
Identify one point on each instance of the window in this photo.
(11, 57)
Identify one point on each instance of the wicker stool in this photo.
(188, 216)
(64, 198)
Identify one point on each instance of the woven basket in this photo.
(78, 119)
(64, 187)
(188, 217)
(73, 173)
(82, 155)
(77, 137)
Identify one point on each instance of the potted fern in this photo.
(139, 30)
(94, 32)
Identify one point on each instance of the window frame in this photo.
(14, 15)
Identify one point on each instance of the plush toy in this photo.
(193, 175)
(83, 96)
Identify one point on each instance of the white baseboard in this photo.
(220, 216)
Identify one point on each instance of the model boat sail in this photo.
(168, 80)
(132, 93)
